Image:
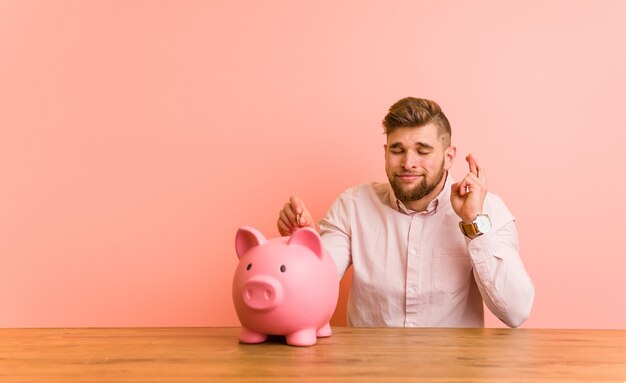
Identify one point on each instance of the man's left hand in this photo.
(468, 196)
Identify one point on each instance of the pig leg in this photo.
(247, 336)
(304, 337)
(324, 331)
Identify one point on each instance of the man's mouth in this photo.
(409, 176)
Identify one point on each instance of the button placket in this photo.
(412, 272)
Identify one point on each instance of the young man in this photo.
(425, 251)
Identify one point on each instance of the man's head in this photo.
(418, 151)
(411, 112)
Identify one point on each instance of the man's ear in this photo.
(449, 156)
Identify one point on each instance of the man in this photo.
(425, 251)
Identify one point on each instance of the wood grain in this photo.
(350, 355)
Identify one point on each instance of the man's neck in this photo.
(422, 203)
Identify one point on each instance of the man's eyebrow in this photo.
(424, 145)
(419, 143)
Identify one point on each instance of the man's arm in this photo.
(504, 284)
(337, 242)
(502, 280)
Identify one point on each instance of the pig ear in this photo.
(308, 238)
(246, 239)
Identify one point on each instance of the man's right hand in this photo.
(294, 216)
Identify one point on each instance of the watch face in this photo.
(483, 223)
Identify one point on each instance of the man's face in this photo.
(416, 161)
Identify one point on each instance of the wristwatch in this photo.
(480, 225)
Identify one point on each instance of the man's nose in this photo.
(410, 161)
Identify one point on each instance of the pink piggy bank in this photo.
(284, 286)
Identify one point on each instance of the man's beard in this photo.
(420, 190)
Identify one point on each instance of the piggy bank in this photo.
(285, 286)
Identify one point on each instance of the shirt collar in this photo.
(444, 195)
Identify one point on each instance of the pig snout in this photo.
(262, 292)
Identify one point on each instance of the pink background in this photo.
(137, 136)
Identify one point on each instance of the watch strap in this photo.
(468, 228)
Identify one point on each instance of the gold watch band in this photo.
(468, 228)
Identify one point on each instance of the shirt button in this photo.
(411, 290)
(410, 324)
(413, 252)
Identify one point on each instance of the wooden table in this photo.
(357, 355)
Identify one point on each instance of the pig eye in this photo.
(282, 268)
(249, 266)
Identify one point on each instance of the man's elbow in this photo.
(519, 312)
(517, 320)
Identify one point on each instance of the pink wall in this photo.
(137, 136)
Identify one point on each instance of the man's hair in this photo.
(411, 112)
